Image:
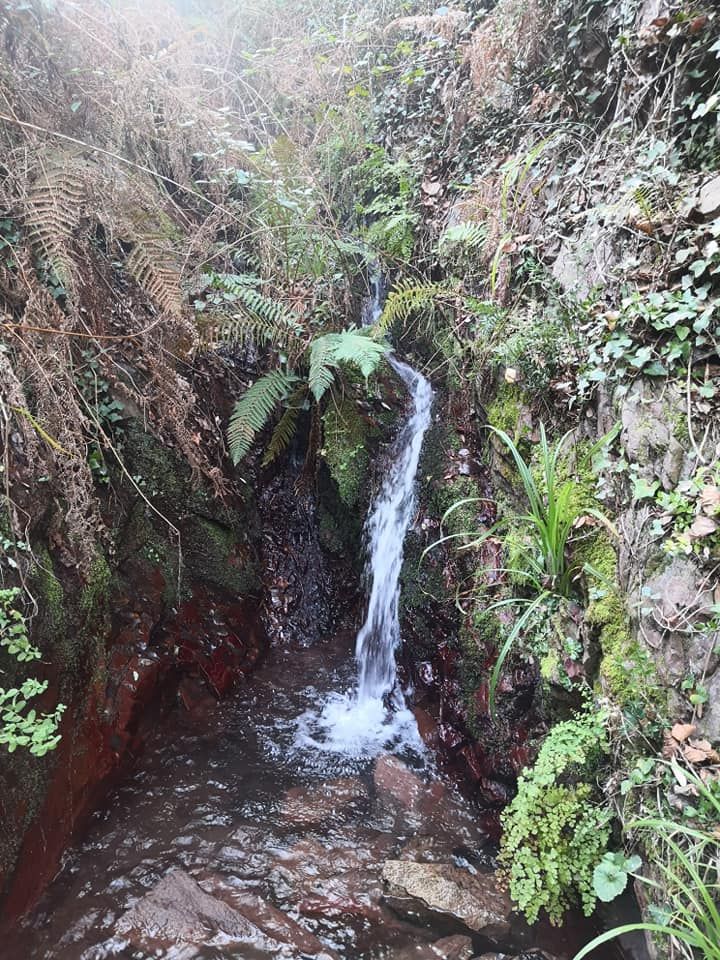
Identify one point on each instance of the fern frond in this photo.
(262, 319)
(647, 197)
(253, 410)
(285, 428)
(358, 348)
(153, 267)
(322, 364)
(468, 235)
(408, 298)
(353, 347)
(53, 209)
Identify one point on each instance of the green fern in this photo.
(322, 365)
(253, 410)
(352, 347)
(647, 197)
(406, 299)
(467, 235)
(285, 428)
(262, 319)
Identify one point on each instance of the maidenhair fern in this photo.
(254, 409)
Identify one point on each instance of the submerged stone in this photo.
(474, 900)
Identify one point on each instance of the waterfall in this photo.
(373, 716)
(387, 525)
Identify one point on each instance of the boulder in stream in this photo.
(178, 910)
(440, 890)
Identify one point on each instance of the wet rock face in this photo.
(201, 653)
(119, 646)
(306, 590)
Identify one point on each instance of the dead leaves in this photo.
(679, 742)
(705, 524)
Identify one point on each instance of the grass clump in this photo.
(683, 880)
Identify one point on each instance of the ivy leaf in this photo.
(642, 490)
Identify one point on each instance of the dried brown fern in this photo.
(52, 212)
(152, 265)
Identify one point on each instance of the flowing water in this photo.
(374, 715)
(280, 805)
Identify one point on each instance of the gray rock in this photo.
(670, 616)
(709, 202)
(583, 261)
(709, 725)
(654, 431)
(473, 900)
(178, 910)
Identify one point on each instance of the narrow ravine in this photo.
(294, 840)
(302, 818)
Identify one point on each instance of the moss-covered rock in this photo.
(627, 672)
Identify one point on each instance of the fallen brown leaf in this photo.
(710, 498)
(693, 755)
(681, 731)
(702, 527)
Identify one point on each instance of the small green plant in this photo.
(36, 732)
(543, 562)
(554, 830)
(687, 892)
(20, 727)
(13, 631)
(390, 210)
(610, 876)
(690, 519)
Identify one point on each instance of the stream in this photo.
(268, 825)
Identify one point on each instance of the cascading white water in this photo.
(374, 716)
(387, 525)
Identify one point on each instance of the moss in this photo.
(506, 412)
(626, 670)
(477, 636)
(53, 616)
(94, 593)
(423, 582)
(214, 554)
(347, 435)
(550, 666)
